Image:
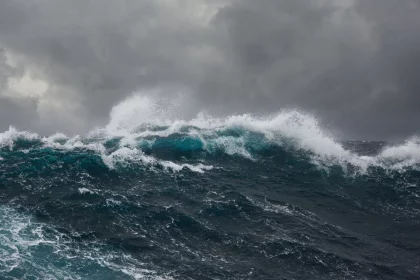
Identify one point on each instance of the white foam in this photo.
(136, 119)
(139, 111)
(56, 137)
(8, 137)
(23, 245)
(303, 129)
(133, 111)
(86, 191)
(127, 155)
(122, 155)
(233, 146)
(401, 156)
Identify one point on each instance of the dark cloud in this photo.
(353, 63)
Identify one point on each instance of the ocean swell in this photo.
(153, 196)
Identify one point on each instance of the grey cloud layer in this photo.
(353, 63)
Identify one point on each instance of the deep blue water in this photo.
(236, 206)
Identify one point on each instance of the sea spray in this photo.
(143, 118)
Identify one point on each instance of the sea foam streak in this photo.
(39, 249)
(141, 118)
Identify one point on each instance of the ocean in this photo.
(240, 197)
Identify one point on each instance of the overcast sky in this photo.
(353, 63)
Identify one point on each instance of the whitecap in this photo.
(142, 119)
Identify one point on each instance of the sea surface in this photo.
(241, 197)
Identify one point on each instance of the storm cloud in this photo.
(352, 63)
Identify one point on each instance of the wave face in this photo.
(153, 196)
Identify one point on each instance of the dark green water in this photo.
(232, 204)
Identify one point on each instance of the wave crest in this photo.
(141, 123)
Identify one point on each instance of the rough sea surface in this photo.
(235, 198)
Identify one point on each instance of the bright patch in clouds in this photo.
(26, 87)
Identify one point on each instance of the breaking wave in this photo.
(142, 130)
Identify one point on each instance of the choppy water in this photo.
(233, 198)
